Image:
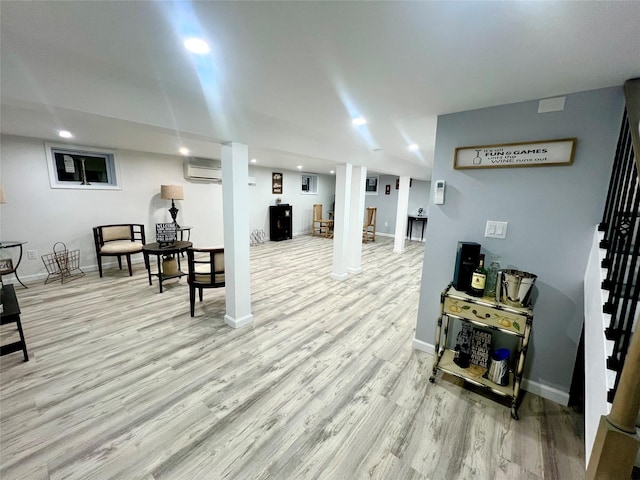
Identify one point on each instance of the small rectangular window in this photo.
(81, 167)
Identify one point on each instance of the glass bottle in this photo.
(492, 278)
(478, 279)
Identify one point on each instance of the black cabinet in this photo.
(280, 222)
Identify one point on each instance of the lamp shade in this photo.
(2, 195)
(171, 192)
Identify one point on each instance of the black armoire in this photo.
(280, 222)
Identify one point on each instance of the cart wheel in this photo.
(432, 378)
(514, 414)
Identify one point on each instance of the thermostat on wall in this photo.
(439, 195)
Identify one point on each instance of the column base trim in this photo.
(238, 322)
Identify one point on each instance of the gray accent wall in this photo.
(552, 212)
(387, 205)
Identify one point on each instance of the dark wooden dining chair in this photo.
(120, 240)
(206, 270)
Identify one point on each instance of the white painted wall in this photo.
(42, 216)
(261, 197)
(551, 213)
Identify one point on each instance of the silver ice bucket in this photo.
(515, 287)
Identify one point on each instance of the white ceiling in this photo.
(286, 77)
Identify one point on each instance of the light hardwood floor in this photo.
(123, 383)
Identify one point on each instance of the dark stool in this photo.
(11, 314)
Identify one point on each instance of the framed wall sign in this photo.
(276, 183)
(166, 234)
(532, 154)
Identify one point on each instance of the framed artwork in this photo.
(276, 183)
(398, 183)
(6, 265)
(371, 185)
(531, 154)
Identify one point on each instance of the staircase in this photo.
(612, 297)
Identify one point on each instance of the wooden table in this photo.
(170, 251)
(414, 218)
(11, 314)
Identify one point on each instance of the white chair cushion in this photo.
(203, 274)
(121, 246)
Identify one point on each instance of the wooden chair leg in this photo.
(192, 299)
(200, 293)
(120, 261)
(129, 264)
(100, 264)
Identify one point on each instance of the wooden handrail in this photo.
(632, 100)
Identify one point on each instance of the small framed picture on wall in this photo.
(276, 183)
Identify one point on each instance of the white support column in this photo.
(235, 215)
(401, 215)
(356, 216)
(341, 222)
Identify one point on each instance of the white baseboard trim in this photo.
(340, 277)
(354, 271)
(544, 391)
(42, 276)
(424, 346)
(238, 322)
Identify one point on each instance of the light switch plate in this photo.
(495, 229)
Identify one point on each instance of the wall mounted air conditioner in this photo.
(198, 172)
(207, 174)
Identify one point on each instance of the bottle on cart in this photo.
(492, 278)
(478, 279)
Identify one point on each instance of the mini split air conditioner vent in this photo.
(206, 174)
(197, 172)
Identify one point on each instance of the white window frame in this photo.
(112, 170)
(312, 182)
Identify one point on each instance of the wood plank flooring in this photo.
(124, 384)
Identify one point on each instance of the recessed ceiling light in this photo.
(299, 167)
(253, 160)
(332, 171)
(65, 134)
(414, 146)
(359, 121)
(184, 151)
(196, 45)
